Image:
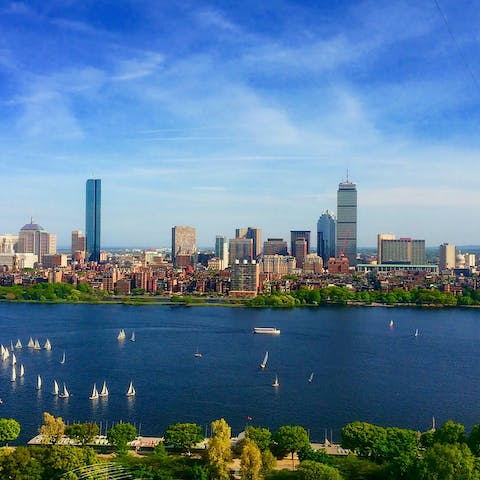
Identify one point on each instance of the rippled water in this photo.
(363, 369)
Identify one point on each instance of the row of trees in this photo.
(50, 292)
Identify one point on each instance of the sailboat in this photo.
(391, 323)
(265, 360)
(18, 344)
(94, 394)
(11, 346)
(310, 378)
(55, 388)
(31, 343)
(131, 390)
(39, 382)
(121, 334)
(65, 393)
(197, 353)
(14, 359)
(132, 338)
(22, 370)
(276, 382)
(104, 392)
(14, 374)
(48, 345)
(36, 345)
(416, 332)
(62, 361)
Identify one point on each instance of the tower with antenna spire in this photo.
(346, 241)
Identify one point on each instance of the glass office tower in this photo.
(346, 243)
(92, 218)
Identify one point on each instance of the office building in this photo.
(255, 234)
(275, 246)
(470, 260)
(301, 251)
(278, 264)
(326, 232)
(313, 263)
(380, 237)
(93, 201)
(183, 243)
(240, 249)
(32, 238)
(403, 251)
(221, 251)
(296, 235)
(79, 244)
(447, 257)
(8, 243)
(346, 243)
(245, 278)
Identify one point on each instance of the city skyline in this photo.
(217, 116)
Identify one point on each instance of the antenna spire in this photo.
(347, 175)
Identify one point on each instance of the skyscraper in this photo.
(221, 250)
(326, 236)
(296, 235)
(92, 218)
(346, 244)
(447, 257)
(183, 242)
(32, 238)
(255, 234)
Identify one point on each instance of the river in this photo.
(363, 368)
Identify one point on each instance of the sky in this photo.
(226, 114)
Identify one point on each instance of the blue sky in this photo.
(232, 114)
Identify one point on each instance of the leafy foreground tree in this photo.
(261, 436)
(450, 432)
(82, 432)
(269, 462)
(219, 452)
(290, 438)
(120, 435)
(311, 470)
(183, 436)
(9, 430)
(251, 461)
(52, 429)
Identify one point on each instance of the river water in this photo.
(363, 368)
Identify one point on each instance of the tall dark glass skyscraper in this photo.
(347, 221)
(92, 218)
(326, 236)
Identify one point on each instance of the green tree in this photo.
(448, 462)
(261, 436)
(60, 459)
(401, 450)
(82, 432)
(291, 438)
(183, 436)
(160, 451)
(308, 453)
(120, 435)
(311, 470)
(363, 438)
(52, 428)
(269, 462)
(450, 432)
(219, 452)
(474, 440)
(250, 461)
(19, 464)
(9, 430)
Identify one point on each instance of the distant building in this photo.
(255, 234)
(338, 265)
(32, 238)
(380, 237)
(79, 243)
(55, 260)
(346, 244)
(403, 251)
(447, 256)
(14, 261)
(240, 249)
(183, 242)
(470, 260)
(301, 251)
(8, 243)
(326, 232)
(245, 278)
(294, 236)
(221, 251)
(313, 263)
(93, 202)
(275, 246)
(279, 264)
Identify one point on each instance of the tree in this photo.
(450, 432)
(474, 440)
(291, 438)
(82, 432)
(52, 429)
(250, 461)
(401, 450)
(19, 464)
(183, 435)
(448, 462)
(269, 462)
(60, 459)
(9, 430)
(311, 470)
(160, 451)
(308, 453)
(219, 452)
(261, 436)
(120, 435)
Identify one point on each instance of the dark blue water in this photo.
(364, 370)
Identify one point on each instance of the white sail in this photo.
(104, 392)
(310, 378)
(276, 382)
(48, 345)
(22, 370)
(30, 343)
(132, 338)
(121, 334)
(11, 346)
(14, 374)
(14, 359)
(197, 353)
(36, 345)
(416, 332)
(65, 393)
(18, 344)
(62, 361)
(391, 324)
(39, 382)
(265, 360)
(131, 390)
(94, 394)
(55, 388)
(2, 349)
